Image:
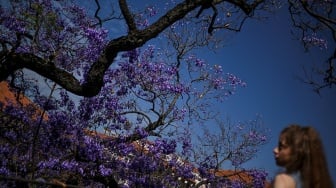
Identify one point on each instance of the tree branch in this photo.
(134, 39)
(100, 22)
(127, 15)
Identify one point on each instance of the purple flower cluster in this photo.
(251, 136)
(179, 114)
(141, 132)
(258, 177)
(164, 146)
(219, 84)
(68, 146)
(49, 163)
(313, 40)
(53, 31)
(105, 171)
(143, 19)
(64, 148)
(92, 139)
(150, 75)
(11, 23)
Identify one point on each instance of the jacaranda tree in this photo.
(133, 123)
(53, 39)
(134, 132)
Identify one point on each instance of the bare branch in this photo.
(127, 15)
(100, 22)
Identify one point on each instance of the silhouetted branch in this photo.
(135, 38)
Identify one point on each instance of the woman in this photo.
(300, 152)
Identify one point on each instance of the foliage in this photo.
(114, 135)
(139, 105)
(56, 39)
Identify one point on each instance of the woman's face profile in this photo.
(282, 153)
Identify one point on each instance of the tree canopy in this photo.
(42, 38)
(117, 111)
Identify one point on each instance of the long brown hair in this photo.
(308, 156)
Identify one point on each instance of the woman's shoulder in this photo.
(283, 180)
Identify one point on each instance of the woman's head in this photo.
(300, 149)
(291, 150)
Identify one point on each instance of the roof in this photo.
(6, 95)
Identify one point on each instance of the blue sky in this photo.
(269, 59)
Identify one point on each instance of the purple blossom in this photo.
(105, 171)
(50, 163)
(199, 63)
(179, 114)
(4, 171)
(152, 11)
(258, 177)
(69, 165)
(69, 37)
(164, 146)
(313, 40)
(141, 132)
(89, 138)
